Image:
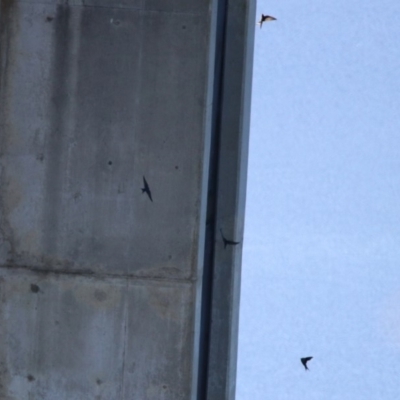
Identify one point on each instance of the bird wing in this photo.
(304, 360)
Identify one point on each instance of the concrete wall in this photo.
(101, 289)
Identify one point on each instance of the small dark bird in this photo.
(228, 242)
(305, 360)
(265, 18)
(146, 189)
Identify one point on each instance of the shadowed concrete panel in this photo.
(74, 337)
(124, 98)
(100, 289)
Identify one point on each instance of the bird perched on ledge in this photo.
(227, 241)
(265, 18)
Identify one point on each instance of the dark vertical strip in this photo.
(5, 49)
(59, 115)
(211, 215)
(8, 16)
(4, 37)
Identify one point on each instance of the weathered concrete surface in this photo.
(79, 337)
(93, 98)
(101, 288)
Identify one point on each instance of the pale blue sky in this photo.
(321, 264)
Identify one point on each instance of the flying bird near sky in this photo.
(227, 241)
(146, 188)
(265, 18)
(304, 361)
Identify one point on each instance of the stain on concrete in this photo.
(6, 6)
(4, 371)
(10, 198)
(40, 157)
(8, 36)
(100, 295)
(165, 303)
(115, 22)
(13, 194)
(131, 368)
(34, 288)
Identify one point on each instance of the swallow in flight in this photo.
(228, 242)
(304, 361)
(146, 189)
(265, 18)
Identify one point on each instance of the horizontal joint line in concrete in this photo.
(85, 273)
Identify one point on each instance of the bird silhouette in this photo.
(146, 189)
(265, 18)
(228, 242)
(304, 361)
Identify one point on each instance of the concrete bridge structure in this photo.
(105, 294)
